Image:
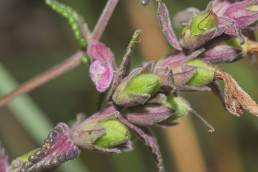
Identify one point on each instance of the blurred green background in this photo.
(33, 38)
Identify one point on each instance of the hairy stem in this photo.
(69, 64)
(104, 19)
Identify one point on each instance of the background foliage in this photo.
(34, 38)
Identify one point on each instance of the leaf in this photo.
(167, 26)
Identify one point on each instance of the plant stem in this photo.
(104, 19)
(69, 64)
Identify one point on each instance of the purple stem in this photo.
(104, 19)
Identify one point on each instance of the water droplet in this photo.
(145, 2)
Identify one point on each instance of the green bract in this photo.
(204, 73)
(202, 22)
(144, 84)
(72, 17)
(115, 134)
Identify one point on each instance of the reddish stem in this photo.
(104, 19)
(69, 64)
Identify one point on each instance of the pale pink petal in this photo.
(101, 74)
(99, 51)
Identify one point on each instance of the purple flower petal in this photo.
(99, 51)
(57, 148)
(3, 160)
(221, 54)
(167, 26)
(220, 6)
(101, 68)
(101, 74)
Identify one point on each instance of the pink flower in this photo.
(101, 68)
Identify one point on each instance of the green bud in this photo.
(101, 133)
(136, 90)
(202, 22)
(144, 84)
(204, 73)
(115, 134)
(85, 60)
(72, 17)
(180, 105)
(234, 42)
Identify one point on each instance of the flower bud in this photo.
(105, 134)
(101, 67)
(115, 134)
(183, 108)
(180, 105)
(149, 115)
(193, 42)
(249, 46)
(203, 22)
(137, 90)
(222, 54)
(204, 73)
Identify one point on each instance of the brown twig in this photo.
(69, 64)
(104, 19)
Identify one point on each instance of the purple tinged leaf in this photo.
(185, 16)
(149, 115)
(221, 54)
(183, 76)
(3, 160)
(244, 13)
(149, 140)
(167, 26)
(220, 6)
(101, 68)
(57, 148)
(193, 42)
(181, 72)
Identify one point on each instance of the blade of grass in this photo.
(32, 118)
